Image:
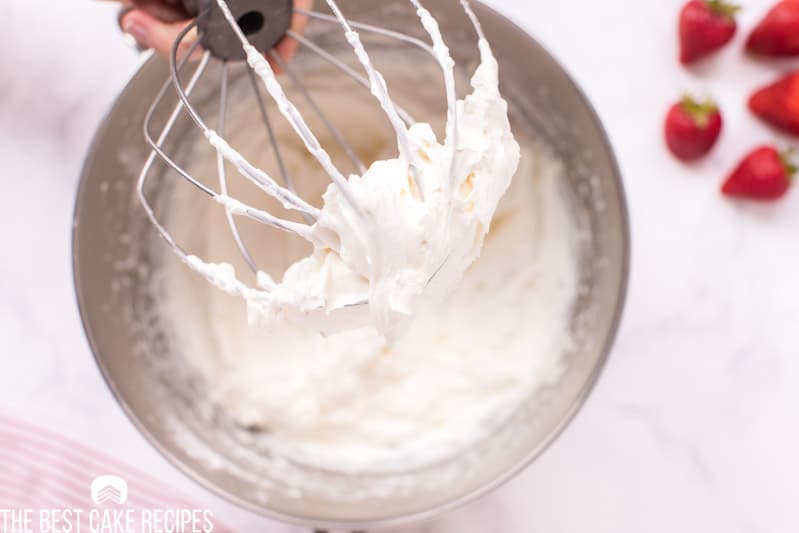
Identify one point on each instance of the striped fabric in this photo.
(40, 469)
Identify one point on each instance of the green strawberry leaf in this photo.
(700, 112)
(723, 8)
(787, 162)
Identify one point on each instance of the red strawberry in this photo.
(692, 128)
(778, 33)
(764, 174)
(778, 104)
(705, 26)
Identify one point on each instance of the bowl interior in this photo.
(117, 255)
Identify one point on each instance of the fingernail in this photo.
(137, 31)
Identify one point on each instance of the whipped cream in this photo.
(351, 403)
(492, 309)
(399, 237)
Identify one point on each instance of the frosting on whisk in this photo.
(402, 234)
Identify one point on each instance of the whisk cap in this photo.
(265, 22)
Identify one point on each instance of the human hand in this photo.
(155, 24)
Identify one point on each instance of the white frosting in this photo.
(406, 237)
(400, 236)
(349, 402)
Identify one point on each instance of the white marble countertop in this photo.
(692, 427)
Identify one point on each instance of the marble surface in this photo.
(693, 426)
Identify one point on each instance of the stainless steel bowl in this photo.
(116, 253)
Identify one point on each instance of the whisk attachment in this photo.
(248, 30)
(264, 22)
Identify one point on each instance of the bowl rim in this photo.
(398, 520)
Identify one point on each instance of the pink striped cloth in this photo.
(40, 469)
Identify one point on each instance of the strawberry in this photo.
(778, 104)
(692, 128)
(778, 33)
(705, 26)
(764, 174)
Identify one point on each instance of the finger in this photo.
(304, 4)
(165, 10)
(152, 33)
(288, 46)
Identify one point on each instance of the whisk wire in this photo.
(369, 28)
(261, 67)
(379, 90)
(220, 163)
(158, 152)
(156, 145)
(260, 178)
(442, 55)
(300, 86)
(259, 99)
(346, 69)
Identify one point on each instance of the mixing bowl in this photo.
(116, 256)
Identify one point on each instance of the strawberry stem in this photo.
(700, 112)
(791, 168)
(723, 8)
